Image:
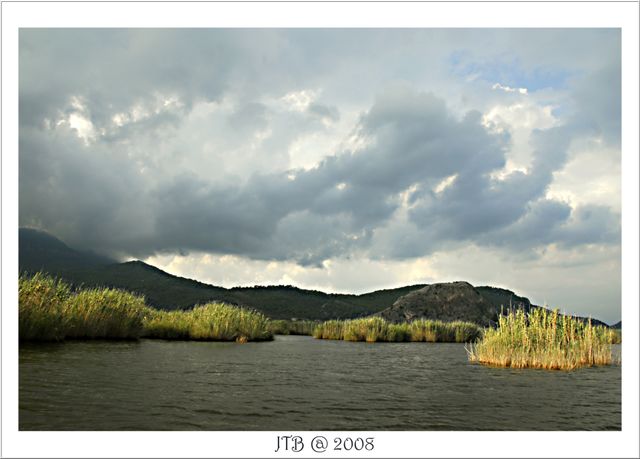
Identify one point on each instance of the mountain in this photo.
(617, 326)
(40, 251)
(460, 301)
(501, 298)
(447, 301)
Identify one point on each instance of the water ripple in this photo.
(297, 383)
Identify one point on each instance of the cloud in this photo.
(339, 208)
(269, 145)
(509, 89)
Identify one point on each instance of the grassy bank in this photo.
(374, 329)
(212, 321)
(543, 339)
(50, 311)
(293, 327)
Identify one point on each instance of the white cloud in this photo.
(523, 91)
(82, 126)
(300, 100)
(519, 120)
(592, 176)
(445, 183)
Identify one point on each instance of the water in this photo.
(299, 383)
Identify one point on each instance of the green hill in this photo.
(40, 251)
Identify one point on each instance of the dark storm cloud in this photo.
(124, 191)
(112, 69)
(553, 222)
(475, 203)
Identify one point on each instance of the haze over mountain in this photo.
(40, 251)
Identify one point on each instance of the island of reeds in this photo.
(376, 329)
(50, 311)
(544, 339)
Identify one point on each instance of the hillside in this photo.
(460, 301)
(447, 301)
(40, 251)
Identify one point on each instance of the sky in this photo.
(343, 160)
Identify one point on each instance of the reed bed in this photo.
(293, 327)
(331, 329)
(375, 329)
(50, 311)
(543, 339)
(212, 321)
(41, 301)
(104, 313)
(615, 336)
(436, 331)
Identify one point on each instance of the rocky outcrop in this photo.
(461, 301)
(447, 302)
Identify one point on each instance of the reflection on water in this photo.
(298, 383)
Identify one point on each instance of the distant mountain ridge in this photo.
(40, 251)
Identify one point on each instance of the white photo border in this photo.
(623, 15)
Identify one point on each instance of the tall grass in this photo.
(373, 329)
(293, 327)
(615, 336)
(50, 311)
(41, 301)
(212, 321)
(104, 313)
(436, 331)
(331, 329)
(543, 339)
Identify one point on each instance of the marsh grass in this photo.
(50, 311)
(436, 331)
(331, 329)
(293, 327)
(615, 336)
(104, 313)
(374, 329)
(212, 321)
(41, 301)
(543, 339)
